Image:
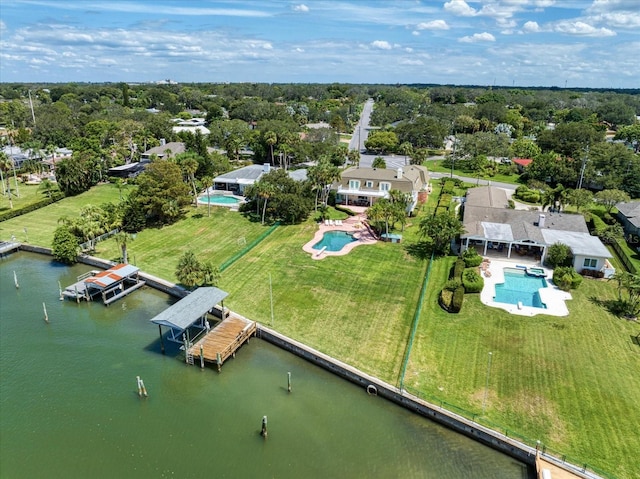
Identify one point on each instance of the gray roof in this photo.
(484, 218)
(189, 309)
(298, 175)
(524, 225)
(174, 147)
(581, 244)
(488, 196)
(249, 173)
(631, 211)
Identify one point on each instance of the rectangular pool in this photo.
(519, 287)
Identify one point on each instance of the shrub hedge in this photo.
(566, 278)
(458, 269)
(471, 258)
(445, 299)
(458, 298)
(472, 281)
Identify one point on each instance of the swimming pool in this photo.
(219, 200)
(334, 240)
(518, 287)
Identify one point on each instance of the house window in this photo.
(354, 184)
(590, 263)
(384, 186)
(369, 184)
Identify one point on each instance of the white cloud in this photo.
(460, 8)
(381, 44)
(3, 26)
(433, 25)
(300, 8)
(578, 28)
(415, 33)
(478, 37)
(409, 61)
(531, 27)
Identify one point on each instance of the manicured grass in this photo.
(28, 194)
(42, 223)
(216, 238)
(436, 167)
(570, 382)
(357, 307)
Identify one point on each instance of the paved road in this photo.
(361, 131)
(393, 162)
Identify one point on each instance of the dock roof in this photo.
(189, 309)
(111, 276)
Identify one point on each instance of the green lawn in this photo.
(434, 166)
(41, 224)
(569, 382)
(28, 194)
(214, 238)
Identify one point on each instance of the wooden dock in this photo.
(224, 340)
(7, 247)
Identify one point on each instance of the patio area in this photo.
(356, 225)
(493, 274)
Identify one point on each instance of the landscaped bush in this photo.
(444, 199)
(445, 299)
(458, 269)
(471, 258)
(566, 278)
(458, 298)
(472, 281)
(452, 284)
(527, 195)
(559, 254)
(448, 187)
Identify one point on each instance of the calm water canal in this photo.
(69, 405)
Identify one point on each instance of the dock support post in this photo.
(186, 349)
(161, 341)
(46, 316)
(15, 280)
(218, 361)
(201, 357)
(142, 391)
(263, 432)
(77, 297)
(60, 291)
(288, 382)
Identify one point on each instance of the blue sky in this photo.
(577, 43)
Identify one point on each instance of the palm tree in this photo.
(354, 157)
(406, 149)
(122, 239)
(208, 181)
(47, 187)
(271, 139)
(5, 165)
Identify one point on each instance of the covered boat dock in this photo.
(191, 313)
(112, 284)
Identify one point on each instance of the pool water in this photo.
(219, 200)
(520, 287)
(334, 240)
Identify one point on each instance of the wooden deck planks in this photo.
(226, 338)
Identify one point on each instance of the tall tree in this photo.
(440, 230)
(610, 198)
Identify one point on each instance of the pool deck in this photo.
(353, 224)
(552, 296)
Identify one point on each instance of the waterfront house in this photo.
(364, 186)
(491, 226)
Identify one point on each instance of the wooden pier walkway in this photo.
(224, 340)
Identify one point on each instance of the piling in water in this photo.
(46, 316)
(288, 382)
(263, 432)
(142, 391)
